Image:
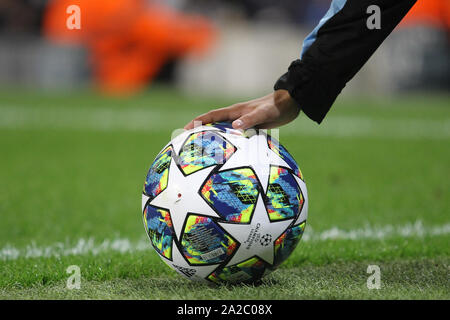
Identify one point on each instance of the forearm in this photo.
(336, 51)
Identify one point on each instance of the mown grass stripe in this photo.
(148, 120)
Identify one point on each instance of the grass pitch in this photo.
(73, 167)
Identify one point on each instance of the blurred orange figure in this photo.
(432, 12)
(128, 40)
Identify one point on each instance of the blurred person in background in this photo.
(129, 41)
(332, 55)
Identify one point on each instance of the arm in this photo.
(332, 54)
(336, 50)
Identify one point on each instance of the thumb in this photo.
(250, 120)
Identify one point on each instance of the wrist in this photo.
(284, 101)
(286, 105)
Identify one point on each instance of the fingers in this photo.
(189, 126)
(209, 117)
(240, 114)
(223, 114)
(268, 112)
(251, 119)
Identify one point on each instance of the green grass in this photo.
(73, 166)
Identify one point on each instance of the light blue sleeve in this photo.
(336, 6)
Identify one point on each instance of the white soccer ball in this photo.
(221, 205)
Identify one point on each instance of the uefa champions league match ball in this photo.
(224, 206)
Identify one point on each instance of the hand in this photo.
(271, 111)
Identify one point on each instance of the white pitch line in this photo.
(151, 120)
(85, 247)
(98, 119)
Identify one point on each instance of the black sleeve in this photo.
(336, 50)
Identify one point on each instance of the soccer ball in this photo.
(222, 205)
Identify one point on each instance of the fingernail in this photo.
(238, 123)
(197, 124)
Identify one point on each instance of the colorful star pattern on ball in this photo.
(205, 242)
(157, 177)
(284, 198)
(281, 151)
(232, 194)
(160, 230)
(204, 149)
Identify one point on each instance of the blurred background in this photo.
(202, 47)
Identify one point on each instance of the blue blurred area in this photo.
(305, 12)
